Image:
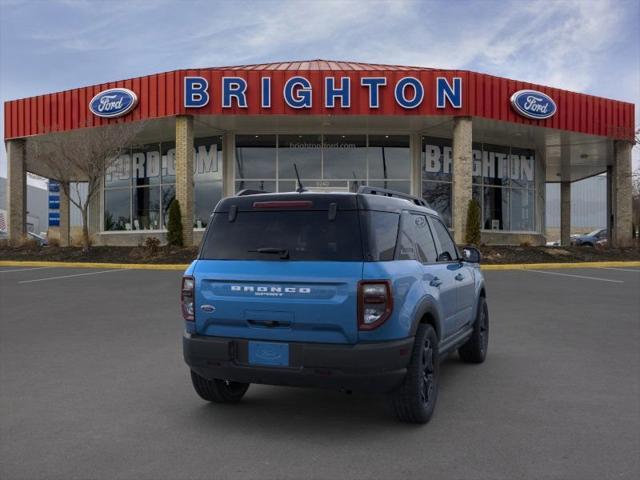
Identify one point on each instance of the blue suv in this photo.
(357, 291)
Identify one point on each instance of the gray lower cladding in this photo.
(367, 367)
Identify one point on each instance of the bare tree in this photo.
(82, 156)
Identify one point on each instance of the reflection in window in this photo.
(116, 209)
(344, 156)
(146, 208)
(303, 150)
(256, 156)
(207, 176)
(168, 194)
(496, 208)
(207, 195)
(146, 165)
(389, 157)
(522, 209)
(438, 197)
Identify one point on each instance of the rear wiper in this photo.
(283, 252)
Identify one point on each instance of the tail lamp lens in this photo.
(186, 298)
(375, 304)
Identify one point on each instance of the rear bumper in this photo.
(370, 367)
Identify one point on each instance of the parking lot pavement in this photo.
(92, 385)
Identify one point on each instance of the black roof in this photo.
(322, 200)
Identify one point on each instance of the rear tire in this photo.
(415, 400)
(475, 349)
(218, 391)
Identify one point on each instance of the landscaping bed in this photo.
(173, 255)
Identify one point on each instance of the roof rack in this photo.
(248, 191)
(392, 193)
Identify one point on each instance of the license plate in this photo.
(267, 353)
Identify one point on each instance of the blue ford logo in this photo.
(114, 102)
(533, 104)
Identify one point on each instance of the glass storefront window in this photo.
(118, 174)
(522, 163)
(438, 197)
(495, 165)
(522, 209)
(168, 194)
(207, 178)
(168, 162)
(496, 208)
(389, 157)
(256, 156)
(436, 159)
(303, 150)
(207, 195)
(344, 156)
(145, 165)
(117, 215)
(146, 208)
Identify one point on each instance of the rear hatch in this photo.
(282, 270)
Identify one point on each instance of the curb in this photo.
(126, 266)
(183, 266)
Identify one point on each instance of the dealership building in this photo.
(448, 136)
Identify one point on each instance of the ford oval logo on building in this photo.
(114, 102)
(533, 104)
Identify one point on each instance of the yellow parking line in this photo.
(183, 266)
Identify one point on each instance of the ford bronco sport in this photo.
(355, 291)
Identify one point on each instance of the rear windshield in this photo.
(284, 235)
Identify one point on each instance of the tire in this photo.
(475, 349)
(415, 400)
(218, 391)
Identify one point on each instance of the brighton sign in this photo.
(533, 104)
(408, 92)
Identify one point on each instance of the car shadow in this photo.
(327, 413)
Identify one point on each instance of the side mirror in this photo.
(471, 254)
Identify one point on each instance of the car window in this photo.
(383, 233)
(274, 235)
(447, 249)
(426, 248)
(407, 240)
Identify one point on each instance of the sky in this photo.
(581, 45)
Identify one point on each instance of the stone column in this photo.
(621, 184)
(16, 191)
(415, 145)
(565, 213)
(184, 174)
(65, 219)
(462, 175)
(228, 164)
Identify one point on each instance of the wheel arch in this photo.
(427, 313)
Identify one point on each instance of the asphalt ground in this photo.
(92, 385)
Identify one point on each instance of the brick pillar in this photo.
(16, 191)
(184, 174)
(621, 184)
(65, 219)
(565, 213)
(462, 175)
(228, 164)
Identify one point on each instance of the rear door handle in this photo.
(459, 277)
(436, 282)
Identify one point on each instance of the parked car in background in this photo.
(591, 239)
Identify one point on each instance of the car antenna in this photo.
(300, 188)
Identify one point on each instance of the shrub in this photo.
(152, 245)
(174, 227)
(54, 242)
(472, 235)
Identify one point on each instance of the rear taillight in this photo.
(186, 298)
(375, 303)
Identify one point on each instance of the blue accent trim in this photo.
(445, 92)
(234, 87)
(374, 84)
(54, 204)
(196, 94)
(303, 99)
(402, 100)
(331, 92)
(54, 187)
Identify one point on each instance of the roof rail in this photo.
(392, 193)
(248, 191)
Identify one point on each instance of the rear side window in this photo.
(278, 235)
(383, 233)
(447, 249)
(416, 242)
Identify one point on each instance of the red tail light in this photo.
(187, 298)
(375, 303)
